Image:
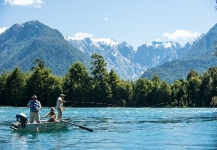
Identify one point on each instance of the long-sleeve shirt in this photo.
(60, 102)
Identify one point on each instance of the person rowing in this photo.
(51, 114)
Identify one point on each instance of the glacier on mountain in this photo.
(128, 63)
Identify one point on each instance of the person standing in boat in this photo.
(35, 107)
(59, 105)
(51, 114)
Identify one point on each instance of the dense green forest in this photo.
(102, 88)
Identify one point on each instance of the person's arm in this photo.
(45, 115)
(29, 104)
(61, 100)
(39, 105)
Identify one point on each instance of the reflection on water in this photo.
(20, 140)
(179, 120)
(120, 128)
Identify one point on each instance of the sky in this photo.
(134, 21)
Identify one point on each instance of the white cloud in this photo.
(83, 35)
(80, 35)
(106, 18)
(34, 3)
(3, 29)
(181, 35)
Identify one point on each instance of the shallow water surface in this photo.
(118, 128)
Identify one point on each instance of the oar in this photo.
(82, 127)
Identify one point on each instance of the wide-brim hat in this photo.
(62, 95)
(34, 96)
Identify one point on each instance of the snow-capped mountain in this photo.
(178, 54)
(151, 54)
(22, 43)
(122, 58)
(119, 56)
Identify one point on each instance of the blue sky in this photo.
(134, 21)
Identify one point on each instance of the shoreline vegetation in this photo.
(102, 88)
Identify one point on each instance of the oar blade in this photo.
(82, 127)
(91, 130)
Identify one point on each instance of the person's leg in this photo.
(37, 117)
(59, 113)
(31, 117)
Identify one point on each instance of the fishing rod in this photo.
(111, 105)
(69, 101)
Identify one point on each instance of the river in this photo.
(118, 129)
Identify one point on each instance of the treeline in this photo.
(101, 88)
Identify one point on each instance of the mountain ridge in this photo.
(22, 43)
(129, 64)
(200, 57)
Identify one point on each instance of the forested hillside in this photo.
(102, 88)
(21, 44)
(200, 57)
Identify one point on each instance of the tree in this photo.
(38, 62)
(125, 92)
(52, 88)
(205, 89)
(3, 77)
(178, 95)
(156, 95)
(192, 73)
(101, 88)
(98, 69)
(14, 87)
(142, 92)
(193, 89)
(77, 83)
(208, 87)
(165, 93)
(39, 83)
(114, 84)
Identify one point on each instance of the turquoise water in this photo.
(119, 129)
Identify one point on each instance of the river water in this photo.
(118, 129)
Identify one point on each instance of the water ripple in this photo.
(119, 128)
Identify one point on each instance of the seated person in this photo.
(51, 114)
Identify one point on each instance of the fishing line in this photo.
(92, 103)
(55, 129)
